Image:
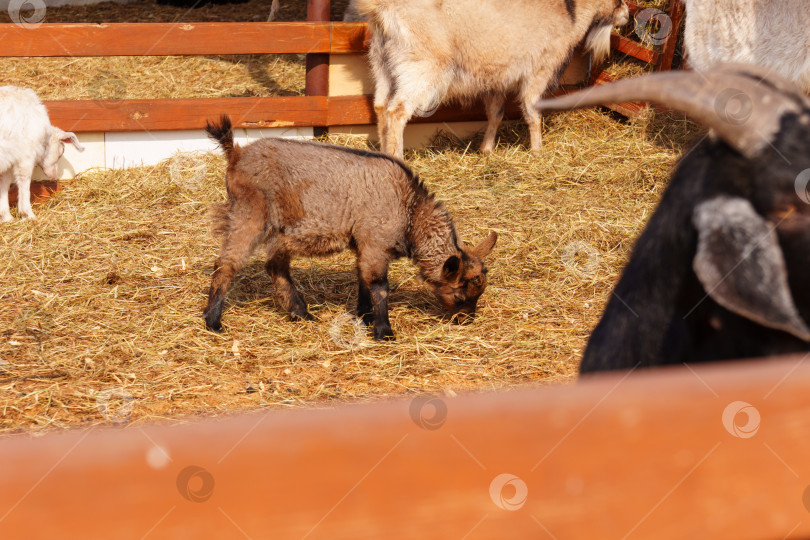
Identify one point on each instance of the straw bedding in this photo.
(101, 298)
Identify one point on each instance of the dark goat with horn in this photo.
(719, 272)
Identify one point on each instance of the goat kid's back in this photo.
(342, 194)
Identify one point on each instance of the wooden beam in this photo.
(174, 114)
(710, 451)
(676, 12)
(630, 109)
(40, 192)
(157, 39)
(317, 65)
(350, 38)
(632, 48)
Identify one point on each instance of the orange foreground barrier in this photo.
(690, 452)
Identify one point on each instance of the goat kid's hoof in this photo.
(305, 316)
(383, 334)
(215, 327)
(367, 318)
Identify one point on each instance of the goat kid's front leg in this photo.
(278, 267)
(374, 289)
(5, 184)
(365, 309)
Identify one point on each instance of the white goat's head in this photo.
(55, 147)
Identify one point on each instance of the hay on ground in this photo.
(101, 298)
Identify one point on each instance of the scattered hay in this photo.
(101, 299)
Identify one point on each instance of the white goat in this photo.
(426, 52)
(774, 35)
(273, 11)
(27, 138)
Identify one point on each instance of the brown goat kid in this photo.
(311, 199)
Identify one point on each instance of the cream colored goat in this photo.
(427, 52)
(774, 35)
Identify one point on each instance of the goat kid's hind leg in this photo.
(494, 104)
(244, 233)
(365, 309)
(374, 278)
(5, 184)
(278, 268)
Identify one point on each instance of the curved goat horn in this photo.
(743, 105)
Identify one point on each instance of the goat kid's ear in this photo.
(451, 268)
(486, 245)
(69, 137)
(741, 266)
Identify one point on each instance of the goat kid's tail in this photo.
(223, 134)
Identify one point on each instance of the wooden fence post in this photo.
(317, 65)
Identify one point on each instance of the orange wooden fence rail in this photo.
(316, 39)
(194, 39)
(197, 38)
(690, 452)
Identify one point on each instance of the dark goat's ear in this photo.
(451, 268)
(741, 266)
(486, 245)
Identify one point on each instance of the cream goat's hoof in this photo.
(6, 219)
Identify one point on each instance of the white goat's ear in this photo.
(69, 137)
(741, 266)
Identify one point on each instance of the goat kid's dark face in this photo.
(463, 280)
